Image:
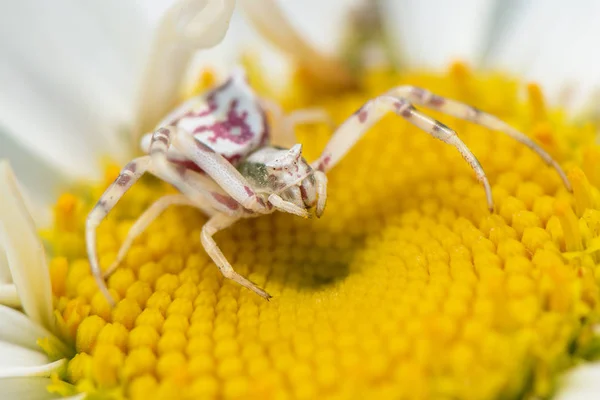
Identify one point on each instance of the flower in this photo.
(405, 294)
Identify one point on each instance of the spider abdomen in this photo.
(228, 119)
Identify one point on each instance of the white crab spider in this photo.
(215, 149)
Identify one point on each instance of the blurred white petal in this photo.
(68, 78)
(30, 389)
(18, 361)
(224, 56)
(40, 178)
(9, 295)
(275, 23)
(583, 383)
(552, 44)
(5, 277)
(321, 24)
(24, 251)
(186, 27)
(432, 33)
(18, 329)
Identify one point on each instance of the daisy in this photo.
(423, 294)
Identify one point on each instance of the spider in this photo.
(215, 149)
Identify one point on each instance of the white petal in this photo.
(39, 176)
(24, 251)
(187, 26)
(289, 25)
(16, 328)
(433, 33)
(240, 36)
(30, 389)
(70, 78)
(583, 383)
(18, 361)
(321, 24)
(8, 295)
(552, 44)
(5, 277)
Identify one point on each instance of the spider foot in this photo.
(252, 286)
(229, 273)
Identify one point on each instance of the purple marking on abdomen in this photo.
(223, 129)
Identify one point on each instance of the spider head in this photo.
(294, 180)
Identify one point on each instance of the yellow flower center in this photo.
(407, 287)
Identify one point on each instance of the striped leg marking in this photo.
(128, 176)
(346, 136)
(201, 192)
(466, 112)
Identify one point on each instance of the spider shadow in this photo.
(307, 263)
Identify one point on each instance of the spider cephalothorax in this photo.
(285, 173)
(216, 150)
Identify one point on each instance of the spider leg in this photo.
(371, 112)
(466, 112)
(221, 171)
(128, 176)
(216, 223)
(216, 202)
(193, 184)
(199, 190)
(145, 220)
(282, 132)
(288, 207)
(321, 179)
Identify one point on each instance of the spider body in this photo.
(229, 119)
(218, 150)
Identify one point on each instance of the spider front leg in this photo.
(346, 136)
(199, 190)
(466, 112)
(215, 224)
(128, 176)
(217, 167)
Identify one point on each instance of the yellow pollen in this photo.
(407, 287)
(584, 197)
(205, 80)
(536, 101)
(591, 160)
